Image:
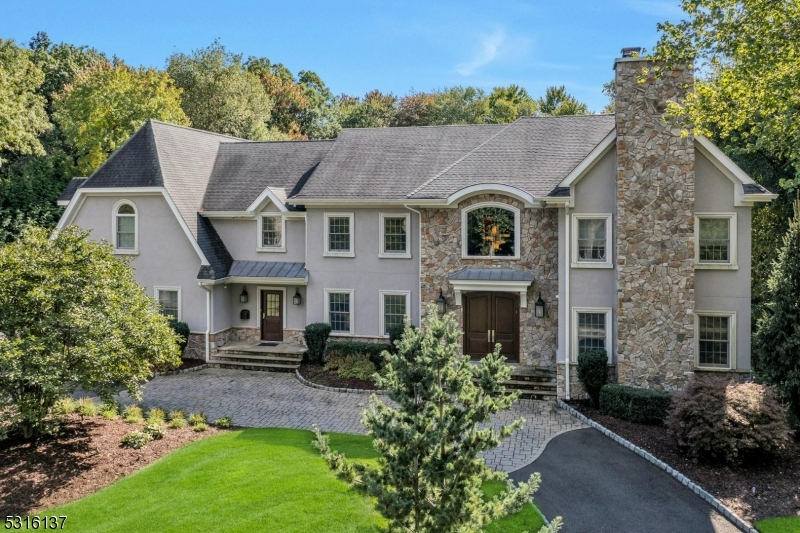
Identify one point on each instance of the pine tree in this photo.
(430, 473)
(776, 345)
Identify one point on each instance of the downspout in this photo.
(209, 291)
(568, 311)
(419, 260)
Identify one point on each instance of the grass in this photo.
(788, 524)
(243, 481)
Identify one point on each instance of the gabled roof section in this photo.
(219, 258)
(389, 163)
(134, 164)
(243, 171)
(532, 154)
(67, 194)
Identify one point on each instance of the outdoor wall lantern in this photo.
(297, 299)
(538, 307)
(441, 303)
(243, 297)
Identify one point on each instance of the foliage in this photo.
(86, 407)
(202, 426)
(490, 232)
(507, 104)
(65, 406)
(776, 344)
(716, 419)
(23, 117)
(395, 334)
(642, 406)
(109, 412)
(593, 373)
(224, 423)
(136, 440)
(557, 101)
(105, 104)
(73, 316)
(173, 415)
(221, 95)
(459, 105)
(196, 418)
(132, 414)
(340, 349)
(375, 110)
(182, 330)
(316, 337)
(414, 109)
(430, 473)
(155, 416)
(177, 423)
(155, 431)
(356, 366)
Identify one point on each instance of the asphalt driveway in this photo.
(598, 486)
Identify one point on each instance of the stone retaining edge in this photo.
(688, 483)
(311, 384)
(173, 372)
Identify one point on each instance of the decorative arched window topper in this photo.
(126, 228)
(490, 230)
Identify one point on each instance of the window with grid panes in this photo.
(591, 332)
(714, 240)
(394, 311)
(713, 341)
(168, 302)
(339, 234)
(339, 311)
(126, 227)
(271, 232)
(394, 235)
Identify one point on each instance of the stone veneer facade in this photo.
(655, 229)
(441, 256)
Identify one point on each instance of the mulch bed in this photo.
(317, 374)
(85, 458)
(776, 482)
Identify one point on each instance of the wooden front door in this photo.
(272, 315)
(491, 318)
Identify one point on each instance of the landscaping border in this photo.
(173, 372)
(311, 384)
(688, 483)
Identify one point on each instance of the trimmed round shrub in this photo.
(642, 406)
(155, 431)
(593, 373)
(316, 336)
(182, 329)
(136, 440)
(719, 420)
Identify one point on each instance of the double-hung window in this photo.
(394, 307)
(591, 331)
(125, 228)
(394, 237)
(169, 301)
(339, 310)
(716, 339)
(339, 235)
(271, 230)
(591, 241)
(715, 241)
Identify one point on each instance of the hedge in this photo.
(642, 406)
(316, 336)
(348, 348)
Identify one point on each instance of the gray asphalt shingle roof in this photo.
(73, 185)
(491, 274)
(219, 258)
(268, 269)
(754, 188)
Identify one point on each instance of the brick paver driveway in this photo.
(267, 399)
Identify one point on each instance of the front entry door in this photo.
(272, 315)
(491, 318)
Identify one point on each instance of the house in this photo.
(550, 236)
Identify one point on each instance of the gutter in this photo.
(568, 313)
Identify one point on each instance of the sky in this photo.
(359, 46)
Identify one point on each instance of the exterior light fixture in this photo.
(539, 307)
(441, 303)
(243, 297)
(297, 299)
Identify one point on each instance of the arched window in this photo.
(490, 230)
(125, 226)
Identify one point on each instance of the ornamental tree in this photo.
(72, 315)
(430, 472)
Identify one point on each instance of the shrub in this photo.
(177, 423)
(197, 418)
(374, 351)
(182, 330)
(173, 415)
(86, 407)
(109, 414)
(132, 414)
(202, 426)
(224, 422)
(136, 440)
(65, 406)
(316, 336)
(642, 406)
(715, 419)
(593, 373)
(155, 431)
(351, 366)
(395, 334)
(155, 416)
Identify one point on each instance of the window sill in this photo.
(591, 265)
(491, 258)
(271, 250)
(384, 255)
(339, 254)
(714, 369)
(715, 266)
(126, 252)
(341, 334)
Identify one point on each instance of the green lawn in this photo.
(250, 480)
(789, 524)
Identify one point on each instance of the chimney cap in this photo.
(631, 51)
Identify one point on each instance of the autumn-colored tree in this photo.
(414, 109)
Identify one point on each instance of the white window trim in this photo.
(327, 300)
(464, 244)
(382, 253)
(326, 252)
(382, 308)
(259, 235)
(731, 340)
(733, 236)
(574, 333)
(577, 263)
(117, 249)
(159, 288)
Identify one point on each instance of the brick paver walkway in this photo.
(268, 399)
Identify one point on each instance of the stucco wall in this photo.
(166, 257)
(366, 273)
(725, 290)
(241, 239)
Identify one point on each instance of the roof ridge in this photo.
(236, 139)
(566, 116)
(388, 128)
(277, 141)
(459, 160)
(129, 139)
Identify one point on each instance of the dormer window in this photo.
(271, 231)
(125, 228)
(490, 230)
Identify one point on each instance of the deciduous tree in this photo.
(557, 101)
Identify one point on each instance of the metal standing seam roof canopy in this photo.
(268, 269)
(492, 279)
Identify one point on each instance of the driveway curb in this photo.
(307, 383)
(688, 483)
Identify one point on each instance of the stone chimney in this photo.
(654, 226)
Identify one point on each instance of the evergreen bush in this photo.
(182, 330)
(642, 406)
(593, 373)
(395, 334)
(316, 336)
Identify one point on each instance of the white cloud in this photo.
(491, 47)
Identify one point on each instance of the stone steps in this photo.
(533, 383)
(283, 358)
